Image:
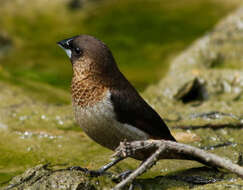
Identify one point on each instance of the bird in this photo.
(106, 105)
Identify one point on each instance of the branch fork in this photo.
(162, 147)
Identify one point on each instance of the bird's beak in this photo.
(65, 44)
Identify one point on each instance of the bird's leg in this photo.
(112, 163)
(104, 168)
(99, 172)
(121, 176)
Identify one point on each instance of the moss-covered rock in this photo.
(42, 177)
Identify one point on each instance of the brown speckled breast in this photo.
(86, 88)
(84, 93)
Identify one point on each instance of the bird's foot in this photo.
(97, 173)
(121, 176)
(92, 173)
(77, 168)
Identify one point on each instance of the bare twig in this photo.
(163, 147)
(139, 171)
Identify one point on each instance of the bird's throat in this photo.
(86, 91)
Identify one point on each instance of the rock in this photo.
(42, 177)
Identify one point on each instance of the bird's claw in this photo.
(96, 173)
(92, 173)
(77, 168)
(122, 176)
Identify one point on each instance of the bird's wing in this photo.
(130, 108)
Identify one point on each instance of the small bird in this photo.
(106, 106)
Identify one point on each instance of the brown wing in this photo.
(130, 108)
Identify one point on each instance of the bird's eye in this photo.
(78, 51)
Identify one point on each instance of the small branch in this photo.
(163, 148)
(143, 168)
(208, 158)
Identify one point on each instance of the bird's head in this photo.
(87, 52)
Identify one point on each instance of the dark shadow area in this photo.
(192, 91)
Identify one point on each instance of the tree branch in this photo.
(131, 148)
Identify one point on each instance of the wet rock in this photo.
(42, 177)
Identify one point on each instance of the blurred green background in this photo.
(36, 120)
(143, 35)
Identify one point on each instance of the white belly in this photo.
(99, 123)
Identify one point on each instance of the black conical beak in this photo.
(66, 45)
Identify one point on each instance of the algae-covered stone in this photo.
(44, 178)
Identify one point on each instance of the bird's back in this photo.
(132, 109)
